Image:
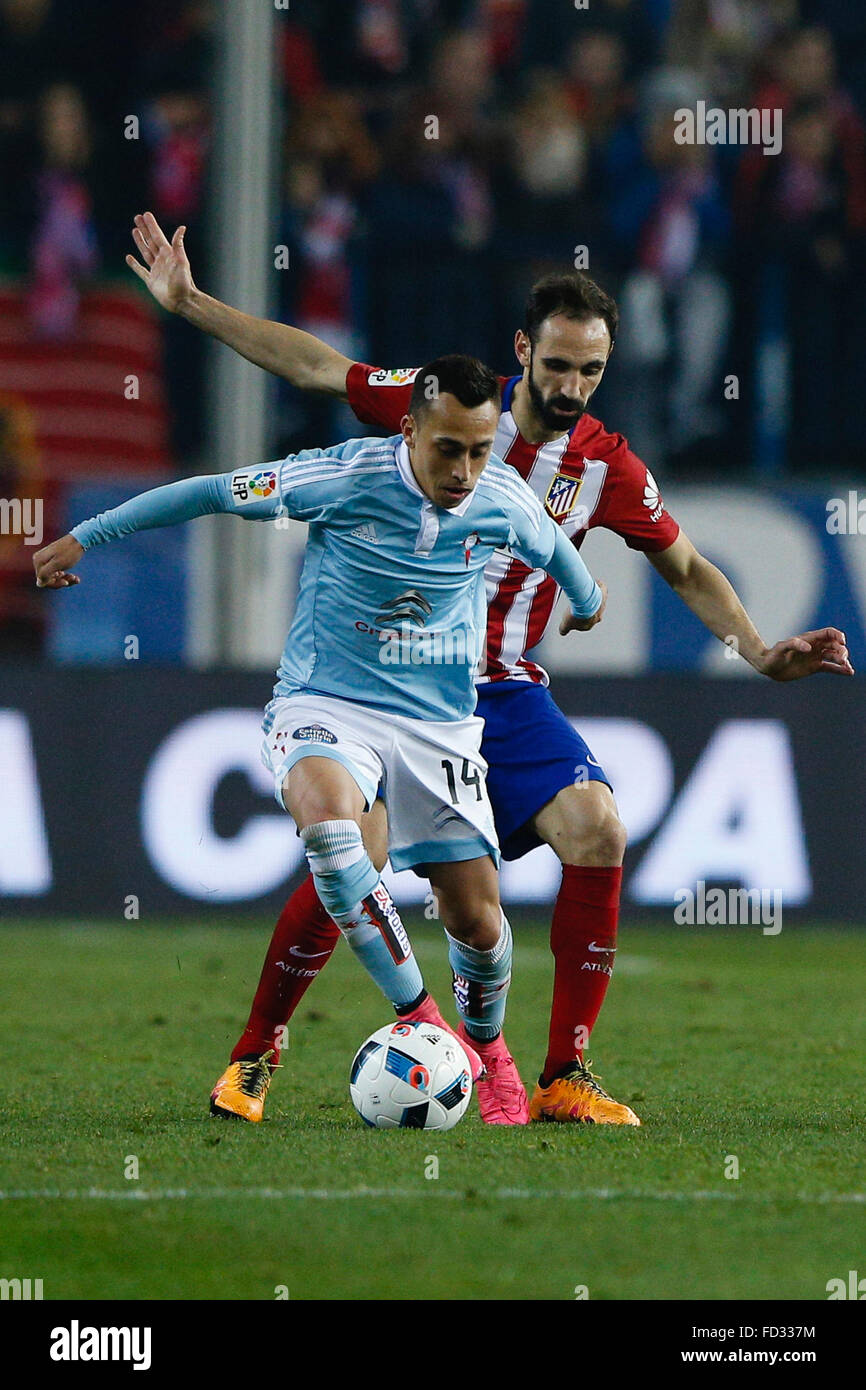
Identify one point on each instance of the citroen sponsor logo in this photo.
(408, 607)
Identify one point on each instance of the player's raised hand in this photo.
(823, 650)
(572, 624)
(166, 270)
(53, 562)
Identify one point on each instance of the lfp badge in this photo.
(562, 495)
(263, 484)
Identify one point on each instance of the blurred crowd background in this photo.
(555, 132)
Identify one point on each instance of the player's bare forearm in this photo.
(712, 598)
(300, 357)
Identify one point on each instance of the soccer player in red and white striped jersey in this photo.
(544, 783)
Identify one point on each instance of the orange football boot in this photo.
(575, 1096)
(242, 1088)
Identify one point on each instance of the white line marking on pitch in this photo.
(500, 1194)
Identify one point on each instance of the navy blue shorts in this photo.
(532, 752)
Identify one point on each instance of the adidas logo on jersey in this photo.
(366, 533)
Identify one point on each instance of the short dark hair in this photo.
(576, 296)
(464, 377)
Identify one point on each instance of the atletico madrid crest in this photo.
(562, 495)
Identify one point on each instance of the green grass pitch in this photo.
(729, 1044)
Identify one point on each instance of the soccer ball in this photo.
(410, 1076)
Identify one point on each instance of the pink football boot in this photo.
(501, 1093)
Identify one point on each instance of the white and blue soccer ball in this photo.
(411, 1076)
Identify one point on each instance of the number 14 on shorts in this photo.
(469, 776)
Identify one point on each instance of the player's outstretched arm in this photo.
(301, 358)
(711, 596)
(160, 506)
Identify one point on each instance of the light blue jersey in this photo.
(391, 608)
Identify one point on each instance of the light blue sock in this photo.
(481, 980)
(350, 888)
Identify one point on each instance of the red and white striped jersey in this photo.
(586, 478)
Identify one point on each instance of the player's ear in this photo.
(522, 348)
(407, 429)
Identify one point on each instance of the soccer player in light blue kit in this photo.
(376, 684)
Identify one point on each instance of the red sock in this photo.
(582, 939)
(301, 946)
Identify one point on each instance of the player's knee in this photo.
(315, 810)
(600, 839)
(310, 803)
(475, 924)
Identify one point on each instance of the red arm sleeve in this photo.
(632, 506)
(380, 397)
